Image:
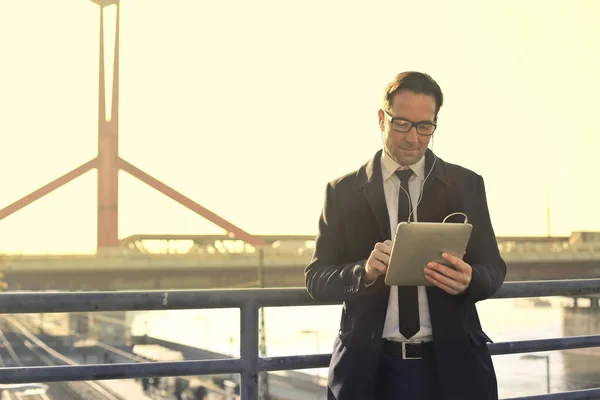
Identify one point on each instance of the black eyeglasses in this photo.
(404, 125)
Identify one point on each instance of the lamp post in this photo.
(262, 340)
(146, 331)
(231, 340)
(313, 332)
(318, 337)
(536, 357)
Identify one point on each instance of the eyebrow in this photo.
(416, 122)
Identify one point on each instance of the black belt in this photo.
(408, 350)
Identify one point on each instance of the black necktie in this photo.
(408, 304)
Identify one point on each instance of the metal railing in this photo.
(249, 301)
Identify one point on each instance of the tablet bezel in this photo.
(418, 243)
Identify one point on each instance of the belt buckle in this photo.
(404, 356)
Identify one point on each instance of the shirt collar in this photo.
(389, 166)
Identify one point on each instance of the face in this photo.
(407, 147)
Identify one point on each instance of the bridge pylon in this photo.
(108, 162)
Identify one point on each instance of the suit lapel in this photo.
(373, 190)
(431, 207)
(434, 204)
(438, 173)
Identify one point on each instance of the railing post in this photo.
(249, 350)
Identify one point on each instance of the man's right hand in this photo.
(378, 260)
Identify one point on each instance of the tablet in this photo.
(418, 243)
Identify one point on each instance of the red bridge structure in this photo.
(217, 260)
(108, 162)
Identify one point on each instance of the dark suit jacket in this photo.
(354, 218)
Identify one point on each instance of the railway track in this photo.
(20, 348)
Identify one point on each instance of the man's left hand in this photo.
(451, 280)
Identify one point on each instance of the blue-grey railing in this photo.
(249, 301)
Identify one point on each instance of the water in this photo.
(503, 320)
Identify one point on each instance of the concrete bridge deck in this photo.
(213, 261)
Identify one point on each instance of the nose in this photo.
(411, 136)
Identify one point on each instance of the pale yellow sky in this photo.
(249, 108)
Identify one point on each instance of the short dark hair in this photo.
(418, 82)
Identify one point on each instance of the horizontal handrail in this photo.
(48, 302)
(585, 394)
(545, 288)
(528, 346)
(235, 365)
(248, 301)
(98, 372)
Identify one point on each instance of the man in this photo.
(406, 343)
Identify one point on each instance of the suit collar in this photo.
(389, 166)
(439, 171)
(368, 172)
(369, 179)
(371, 171)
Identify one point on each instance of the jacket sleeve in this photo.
(489, 269)
(327, 276)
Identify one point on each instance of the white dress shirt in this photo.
(391, 187)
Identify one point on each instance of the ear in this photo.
(381, 118)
